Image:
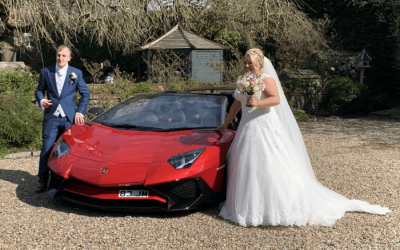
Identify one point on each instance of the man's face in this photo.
(63, 57)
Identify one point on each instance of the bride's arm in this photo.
(271, 91)
(236, 106)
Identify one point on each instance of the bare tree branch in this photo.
(126, 24)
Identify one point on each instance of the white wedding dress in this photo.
(267, 181)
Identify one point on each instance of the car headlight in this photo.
(61, 149)
(185, 160)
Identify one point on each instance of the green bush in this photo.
(379, 101)
(232, 37)
(300, 115)
(20, 119)
(192, 83)
(346, 97)
(173, 86)
(146, 86)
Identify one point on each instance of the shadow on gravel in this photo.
(25, 192)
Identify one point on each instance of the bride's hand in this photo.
(252, 101)
(221, 128)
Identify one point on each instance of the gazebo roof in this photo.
(180, 38)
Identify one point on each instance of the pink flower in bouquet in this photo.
(253, 80)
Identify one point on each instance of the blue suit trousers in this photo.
(51, 132)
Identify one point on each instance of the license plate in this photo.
(133, 193)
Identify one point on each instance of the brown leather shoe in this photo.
(41, 187)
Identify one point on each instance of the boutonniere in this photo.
(73, 76)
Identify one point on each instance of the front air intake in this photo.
(55, 181)
(181, 194)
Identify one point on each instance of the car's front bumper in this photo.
(171, 196)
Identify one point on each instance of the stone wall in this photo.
(98, 98)
(11, 66)
(307, 95)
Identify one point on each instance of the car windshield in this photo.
(166, 111)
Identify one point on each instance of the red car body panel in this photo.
(97, 165)
(139, 157)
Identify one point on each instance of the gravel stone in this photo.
(18, 155)
(358, 157)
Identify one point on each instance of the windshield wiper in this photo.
(188, 128)
(113, 125)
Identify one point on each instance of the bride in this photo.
(271, 181)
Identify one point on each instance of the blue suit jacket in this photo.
(47, 83)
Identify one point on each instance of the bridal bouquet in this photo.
(249, 84)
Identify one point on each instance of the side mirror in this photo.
(95, 111)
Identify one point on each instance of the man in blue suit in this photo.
(61, 82)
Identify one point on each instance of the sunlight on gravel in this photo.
(359, 158)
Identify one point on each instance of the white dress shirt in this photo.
(61, 73)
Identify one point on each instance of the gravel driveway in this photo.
(359, 158)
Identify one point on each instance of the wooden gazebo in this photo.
(199, 53)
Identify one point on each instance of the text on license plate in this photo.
(133, 193)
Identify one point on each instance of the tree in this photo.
(372, 25)
(388, 11)
(125, 24)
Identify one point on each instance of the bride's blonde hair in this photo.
(256, 55)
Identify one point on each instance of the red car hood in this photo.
(126, 154)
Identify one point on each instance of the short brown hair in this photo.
(61, 47)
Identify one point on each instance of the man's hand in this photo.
(47, 103)
(79, 119)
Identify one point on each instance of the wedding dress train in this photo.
(267, 182)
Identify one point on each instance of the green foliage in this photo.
(369, 25)
(129, 88)
(173, 86)
(345, 97)
(332, 65)
(23, 81)
(300, 115)
(20, 119)
(192, 83)
(232, 37)
(379, 101)
(146, 86)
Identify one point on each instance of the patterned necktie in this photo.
(60, 84)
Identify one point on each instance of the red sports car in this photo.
(150, 152)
